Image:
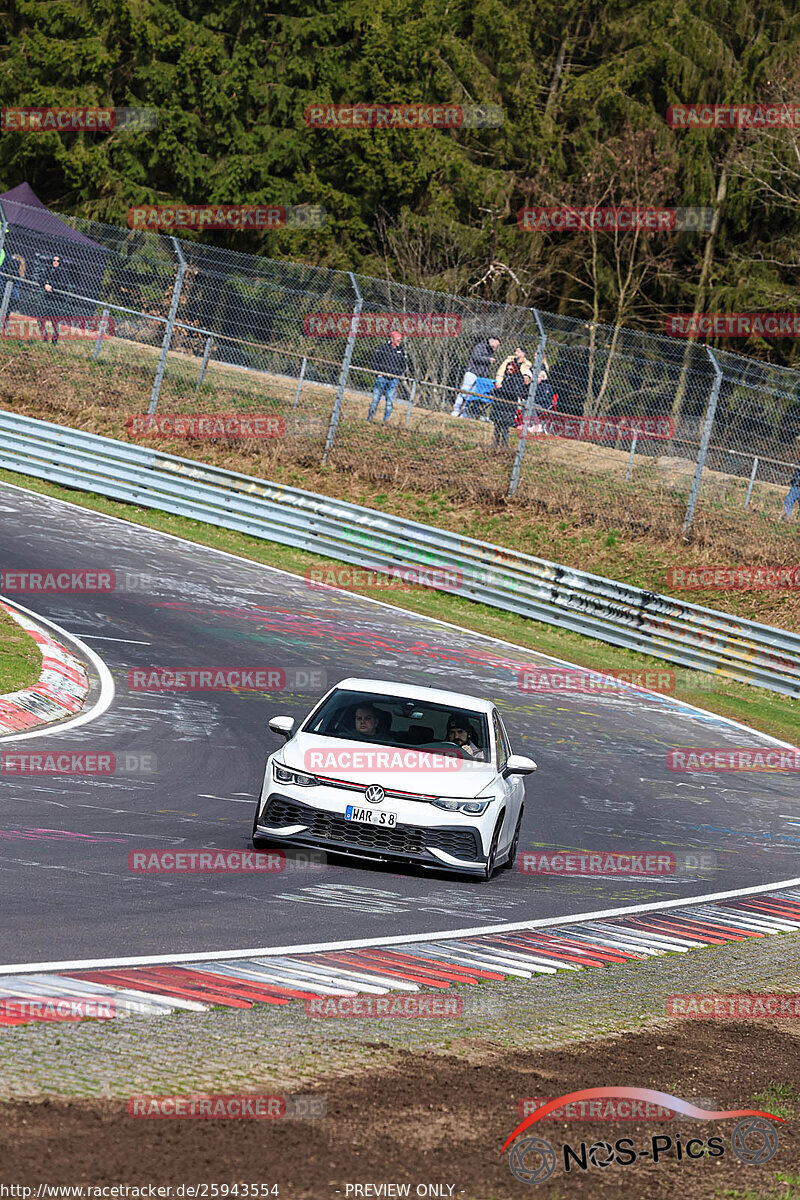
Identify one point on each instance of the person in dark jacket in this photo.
(546, 398)
(390, 361)
(793, 496)
(49, 301)
(511, 389)
(480, 364)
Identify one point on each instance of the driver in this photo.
(461, 732)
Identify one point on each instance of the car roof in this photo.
(389, 687)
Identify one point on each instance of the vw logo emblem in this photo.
(374, 794)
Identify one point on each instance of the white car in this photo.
(387, 771)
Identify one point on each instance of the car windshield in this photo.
(395, 721)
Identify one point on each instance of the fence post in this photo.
(173, 312)
(101, 332)
(633, 451)
(411, 400)
(752, 481)
(204, 363)
(708, 425)
(529, 403)
(301, 377)
(348, 357)
(4, 304)
(9, 282)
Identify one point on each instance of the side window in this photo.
(506, 742)
(501, 741)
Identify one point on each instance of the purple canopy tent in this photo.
(35, 234)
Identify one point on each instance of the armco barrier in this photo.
(671, 629)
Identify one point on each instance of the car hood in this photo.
(395, 768)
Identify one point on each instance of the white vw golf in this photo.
(386, 771)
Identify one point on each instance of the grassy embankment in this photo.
(573, 505)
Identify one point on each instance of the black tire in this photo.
(512, 854)
(490, 865)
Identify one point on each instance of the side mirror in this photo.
(518, 764)
(282, 726)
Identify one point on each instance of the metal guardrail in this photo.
(667, 628)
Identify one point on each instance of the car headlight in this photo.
(298, 778)
(473, 807)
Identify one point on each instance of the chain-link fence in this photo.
(140, 335)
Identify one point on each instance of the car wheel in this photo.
(491, 862)
(512, 854)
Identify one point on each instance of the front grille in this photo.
(402, 839)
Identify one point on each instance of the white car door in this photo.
(513, 787)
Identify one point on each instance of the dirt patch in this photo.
(442, 1119)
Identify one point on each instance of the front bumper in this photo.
(445, 847)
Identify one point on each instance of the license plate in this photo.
(370, 816)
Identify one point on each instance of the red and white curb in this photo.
(160, 988)
(60, 692)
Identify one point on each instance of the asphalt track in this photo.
(603, 784)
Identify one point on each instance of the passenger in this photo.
(366, 721)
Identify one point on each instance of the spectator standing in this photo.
(480, 364)
(511, 387)
(390, 361)
(546, 398)
(793, 496)
(49, 301)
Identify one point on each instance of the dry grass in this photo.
(573, 504)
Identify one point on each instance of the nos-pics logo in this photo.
(534, 1159)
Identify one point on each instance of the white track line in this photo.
(445, 935)
(107, 691)
(310, 948)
